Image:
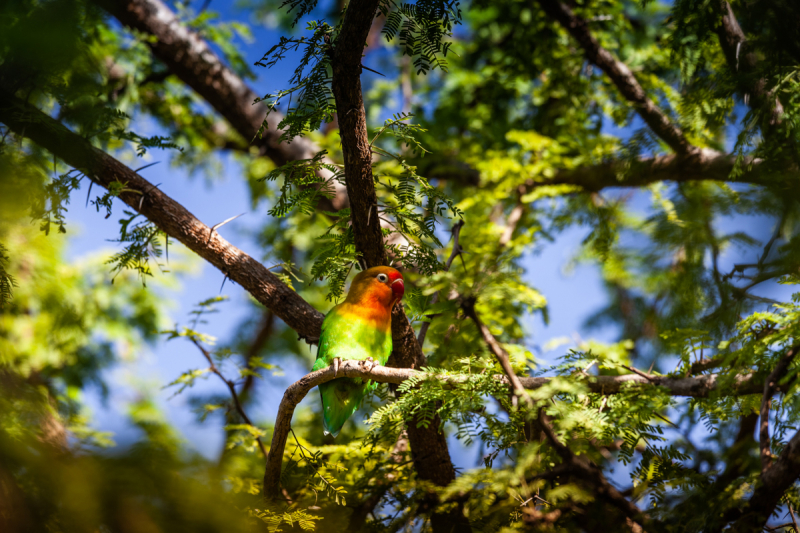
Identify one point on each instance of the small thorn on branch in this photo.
(214, 227)
(147, 191)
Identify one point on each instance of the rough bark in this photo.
(191, 59)
(346, 85)
(767, 494)
(429, 449)
(170, 216)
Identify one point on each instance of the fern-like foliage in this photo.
(143, 244)
(421, 29)
(274, 519)
(305, 181)
(310, 84)
(50, 209)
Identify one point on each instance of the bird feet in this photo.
(336, 361)
(370, 363)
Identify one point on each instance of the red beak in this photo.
(398, 289)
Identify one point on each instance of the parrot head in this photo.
(381, 284)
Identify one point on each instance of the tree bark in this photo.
(429, 449)
(170, 216)
(190, 58)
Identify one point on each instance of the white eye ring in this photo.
(383, 278)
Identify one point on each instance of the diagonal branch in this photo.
(783, 473)
(518, 390)
(620, 75)
(191, 59)
(171, 217)
(456, 232)
(232, 389)
(776, 476)
(589, 472)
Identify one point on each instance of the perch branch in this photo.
(697, 387)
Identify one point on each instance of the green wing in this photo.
(346, 337)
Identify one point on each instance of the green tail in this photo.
(340, 399)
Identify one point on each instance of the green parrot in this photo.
(358, 328)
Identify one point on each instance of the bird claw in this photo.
(371, 362)
(335, 366)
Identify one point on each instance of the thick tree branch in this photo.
(767, 495)
(620, 75)
(191, 59)
(346, 85)
(776, 476)
(27, 121)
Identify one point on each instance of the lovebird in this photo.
(358, 328)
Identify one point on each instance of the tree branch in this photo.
(346, 86)
(776, 476)
(517, 389)
(428, 445)
(703, 165)
(697, 387)
(192, 60)
(456, 232)
(589, 472)
(767, 494)
(232, 388)
(171, 217)
(620, 75)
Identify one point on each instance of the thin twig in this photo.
(232, 389)
(468, 305)
(639, 372)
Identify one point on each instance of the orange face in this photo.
(381, 286)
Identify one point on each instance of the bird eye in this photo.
(383, 278)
